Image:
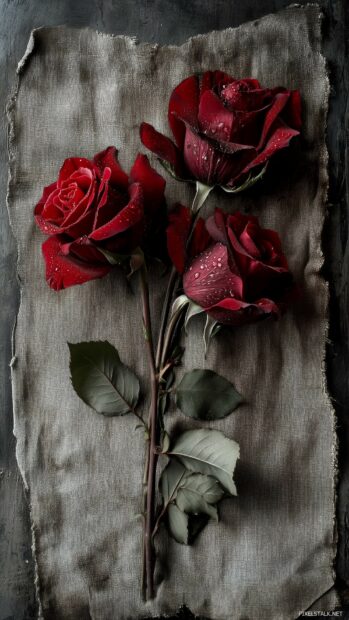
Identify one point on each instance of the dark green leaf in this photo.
(170, 170)
(179, 303)
(136, 261)
(250, 181)
(178, 523)
(208, 452)
(114, 259)
(211, 328)
(192, 310)
(165, 442)
(170, 479)
(205, 395)
(101, 380)
(197, 493)
(202, 192)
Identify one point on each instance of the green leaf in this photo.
(205, 395)
(101, 380)
(197, 493)
(211, 328)
(179, 303)
(208, 452)
(136, 261)
(178, 523)
(202, 192)
(248, 183)
(170, 479)
(192, 310)
(171, 171)
(165, 442)
(114, 259)
(188, 499)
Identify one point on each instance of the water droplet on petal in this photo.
(196, 275)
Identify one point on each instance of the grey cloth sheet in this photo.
(271, 555)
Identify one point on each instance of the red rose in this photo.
(94, 206)
(224, 128)
(243, 275)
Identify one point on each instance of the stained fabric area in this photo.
(271, 555)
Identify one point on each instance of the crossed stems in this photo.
(158, 364)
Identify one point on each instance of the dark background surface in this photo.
(168, 21)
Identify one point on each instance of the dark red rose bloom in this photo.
(224, 128)
(94, 206)
(243, 275)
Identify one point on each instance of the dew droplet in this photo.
(196, 275)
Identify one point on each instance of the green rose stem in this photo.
(151, 459)
(156, 365)
(165, 312)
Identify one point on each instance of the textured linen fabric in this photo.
(271, 555)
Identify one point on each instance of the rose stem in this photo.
(165, 312)
(149, 480)
(150, 469)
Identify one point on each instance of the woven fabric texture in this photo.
(271, 554)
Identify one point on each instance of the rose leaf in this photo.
(178, 523)
(205, 395)
(209, 452)
(101, 380)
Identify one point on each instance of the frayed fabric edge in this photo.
(324, 180)
(324, 183)
(11, 115)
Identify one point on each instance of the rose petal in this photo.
(183, 106)
(71, 165)
(237, 313)
(64, 271)
(248, 236)
(215, 119)
(109, 159)
(200, 239)
(216, 226)
(239, 96)
(163, 147)
(153, 184)
(292, 115)
(214, 80)
(130, 216)
(279, 140)
(79, 210)
(209, 164)
(47, 191)
(84, 250)
(177, 235)
(210, 277)
(279, 104)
